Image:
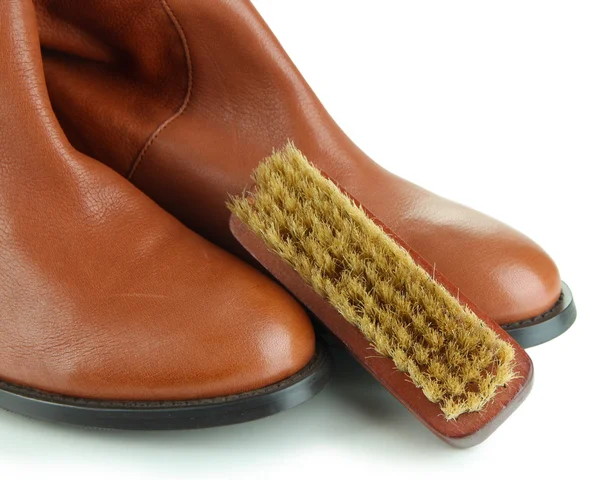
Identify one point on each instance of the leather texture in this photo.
(103, 294)
(229, 97)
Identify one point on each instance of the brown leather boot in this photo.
(185, 97)
(113, 313)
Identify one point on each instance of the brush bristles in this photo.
(448, 352)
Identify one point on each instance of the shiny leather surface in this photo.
(243, 97)
(102, 293)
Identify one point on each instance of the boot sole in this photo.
(547, 326)
(171, 415)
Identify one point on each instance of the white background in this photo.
(493, 104)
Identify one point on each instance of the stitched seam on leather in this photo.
(320, 360)
(539, 318)
(186, 100)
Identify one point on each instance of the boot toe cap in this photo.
(501, 270)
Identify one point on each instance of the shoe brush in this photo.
(453, 367)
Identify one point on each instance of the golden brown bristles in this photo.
(447, 351)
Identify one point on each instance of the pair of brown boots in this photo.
(115, 314)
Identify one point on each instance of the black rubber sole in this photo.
(549, 325)
(174, 415)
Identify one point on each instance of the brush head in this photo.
(449, 353)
